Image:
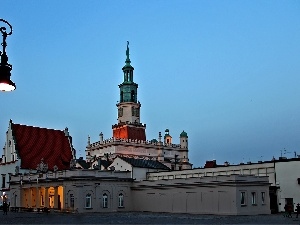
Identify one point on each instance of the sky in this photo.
(226, 72)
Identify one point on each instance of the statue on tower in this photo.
(127, 50)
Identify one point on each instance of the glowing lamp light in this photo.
(5, 83)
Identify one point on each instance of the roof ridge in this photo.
(37, 127)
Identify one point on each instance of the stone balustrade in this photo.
(117, 141)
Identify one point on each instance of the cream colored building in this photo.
(109, 191)
(282, 174)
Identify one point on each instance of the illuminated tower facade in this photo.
(129, 125)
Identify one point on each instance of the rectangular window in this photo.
(263, 195)
(243, 198)
(88, 201)
(253, 198)
(3, 181)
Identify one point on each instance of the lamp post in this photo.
(5, 83)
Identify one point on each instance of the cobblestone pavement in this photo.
(139, 218)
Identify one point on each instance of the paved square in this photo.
(139, 218)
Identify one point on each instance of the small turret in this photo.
(183, 140)
(167, 138)
(184, 148)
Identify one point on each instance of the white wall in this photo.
(120, 165)
(287, 174)
(209, 195)
(257, 169)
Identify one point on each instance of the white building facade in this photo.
(111, 191)
(282, 174)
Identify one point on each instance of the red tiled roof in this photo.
(35, 143)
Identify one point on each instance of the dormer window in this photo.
(9, 143)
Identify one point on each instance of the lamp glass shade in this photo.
(7, 85)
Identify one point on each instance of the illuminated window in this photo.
(243, 198)
(104, 201)
(121, 200)
(253, 198)
(88, 201)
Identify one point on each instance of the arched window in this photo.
(88, 201)
(104, 201)
(72, 201)
(121, 200)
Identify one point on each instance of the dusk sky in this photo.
(226, 72)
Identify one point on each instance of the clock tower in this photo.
(129, 125)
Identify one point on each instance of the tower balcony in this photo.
(121, 124)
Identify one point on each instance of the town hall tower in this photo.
(129, 125)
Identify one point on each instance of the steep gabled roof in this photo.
(35, 143)
(145, 163)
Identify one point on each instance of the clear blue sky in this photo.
(226, 72)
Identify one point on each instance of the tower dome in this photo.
(183, 134)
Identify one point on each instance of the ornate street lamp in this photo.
(5, 83)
